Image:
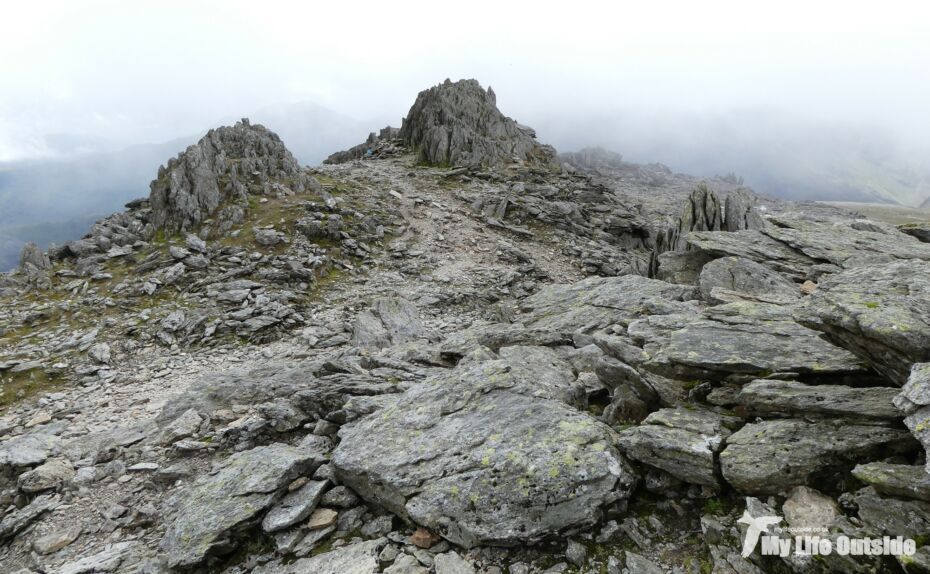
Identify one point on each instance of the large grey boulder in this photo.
(493, 452)
(206, 517)
(772, 456)
(458, 124)
(213, 177)
(769, 397)
(730, 278)
(682, 442)
(880, 312)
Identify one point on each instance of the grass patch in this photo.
(21, 386)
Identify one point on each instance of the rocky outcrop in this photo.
(881, 312)
(703, 212)
(414, 370)
(213, 178)
(494, 452)
(458, 124)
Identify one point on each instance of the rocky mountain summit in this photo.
(448, 350)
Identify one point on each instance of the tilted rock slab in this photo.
(794, 398)
(772, 456)
(494, 452)
(598, 302)
(880, 312)
(207, 515)
(746, 278)
(742, 338)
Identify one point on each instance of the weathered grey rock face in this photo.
(32, 255)
(213, 177)
(682, 442)
(768, 397)
(493, 452)
(895, 479)
(458, 124)
(914, 401)
(772, 456)
(804, 248)
(889, 516)
(755, 245)
(703, 212)
(389, 321)
(598, 302)
(880, 312)
(919, 230)
(732, 278)
(209, 514)
(358, 558)
(738, 338)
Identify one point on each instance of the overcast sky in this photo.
(145, 72)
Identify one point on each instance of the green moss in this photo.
(716, 507)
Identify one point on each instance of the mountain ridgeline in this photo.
(449, 350)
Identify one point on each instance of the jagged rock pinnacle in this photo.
(213, 177)
(458, 123)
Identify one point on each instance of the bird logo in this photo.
(756, 526)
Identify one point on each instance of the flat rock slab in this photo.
(772, 456)
(881, 313)
(389, 321)
(208, 514)
(900, 480)
(493, 452)
(29, 449)
(359, 558)
(754, 245)
(769, 396)
(738, 338)
(295, 506)
(682, 442)
(847, 243)
(598, 302)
